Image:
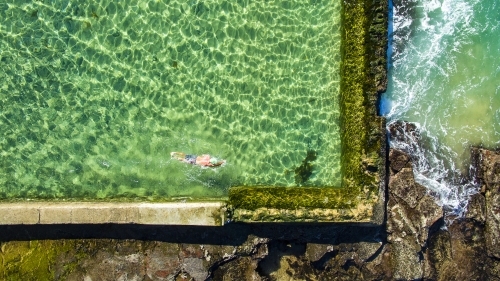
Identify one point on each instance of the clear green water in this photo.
(445, 77)
(95, 95)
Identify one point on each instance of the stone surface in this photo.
(278, 252)
(399, 160)
(458, 254)
(314, 251)
(493, 223)
(487, 173)
(407, 134)
(410, 214)
(468, 249)
(487, 163)
(476, 209)
(241, 268)
(162, 262)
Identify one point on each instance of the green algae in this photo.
(363, 141)
(252, 198)
(36, 260)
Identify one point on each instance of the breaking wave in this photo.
(443, 76)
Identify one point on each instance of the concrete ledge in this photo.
(198, 213)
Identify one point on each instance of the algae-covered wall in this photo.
(363, 160)
(363, 74)
(364, 78)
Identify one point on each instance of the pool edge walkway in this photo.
(171, 213)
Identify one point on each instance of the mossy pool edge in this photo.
(361, 199)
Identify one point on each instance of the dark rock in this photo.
(468, 249)
(405, 188)
(410, 214)
(407, 135)
(346, 261)
(110, 266)
(238, 263)
(314, 251)
(486, 164)
(367, 250)
(243, 268)
(476, 209)
(402, 183)
(403, 131)
(493, 224)
(196, 268)
(458, 254)
(162, 261)
(398, 160)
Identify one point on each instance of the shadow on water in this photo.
(231, 234)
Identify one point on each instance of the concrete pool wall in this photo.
(360, 199)
(192, 213)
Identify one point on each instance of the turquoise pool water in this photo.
(95, 96)
(445, 76)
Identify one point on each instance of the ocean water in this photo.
(96, 94)
(445, 76)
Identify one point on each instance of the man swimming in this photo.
(204, 160)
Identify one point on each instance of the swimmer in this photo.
(204, 160)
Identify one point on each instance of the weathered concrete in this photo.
(196, 213)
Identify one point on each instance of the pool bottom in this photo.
(253, 82)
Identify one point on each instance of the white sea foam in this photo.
(427, 39)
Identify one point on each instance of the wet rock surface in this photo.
(487, 167)
(468, 249)
(411, 212)
(406, 134)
